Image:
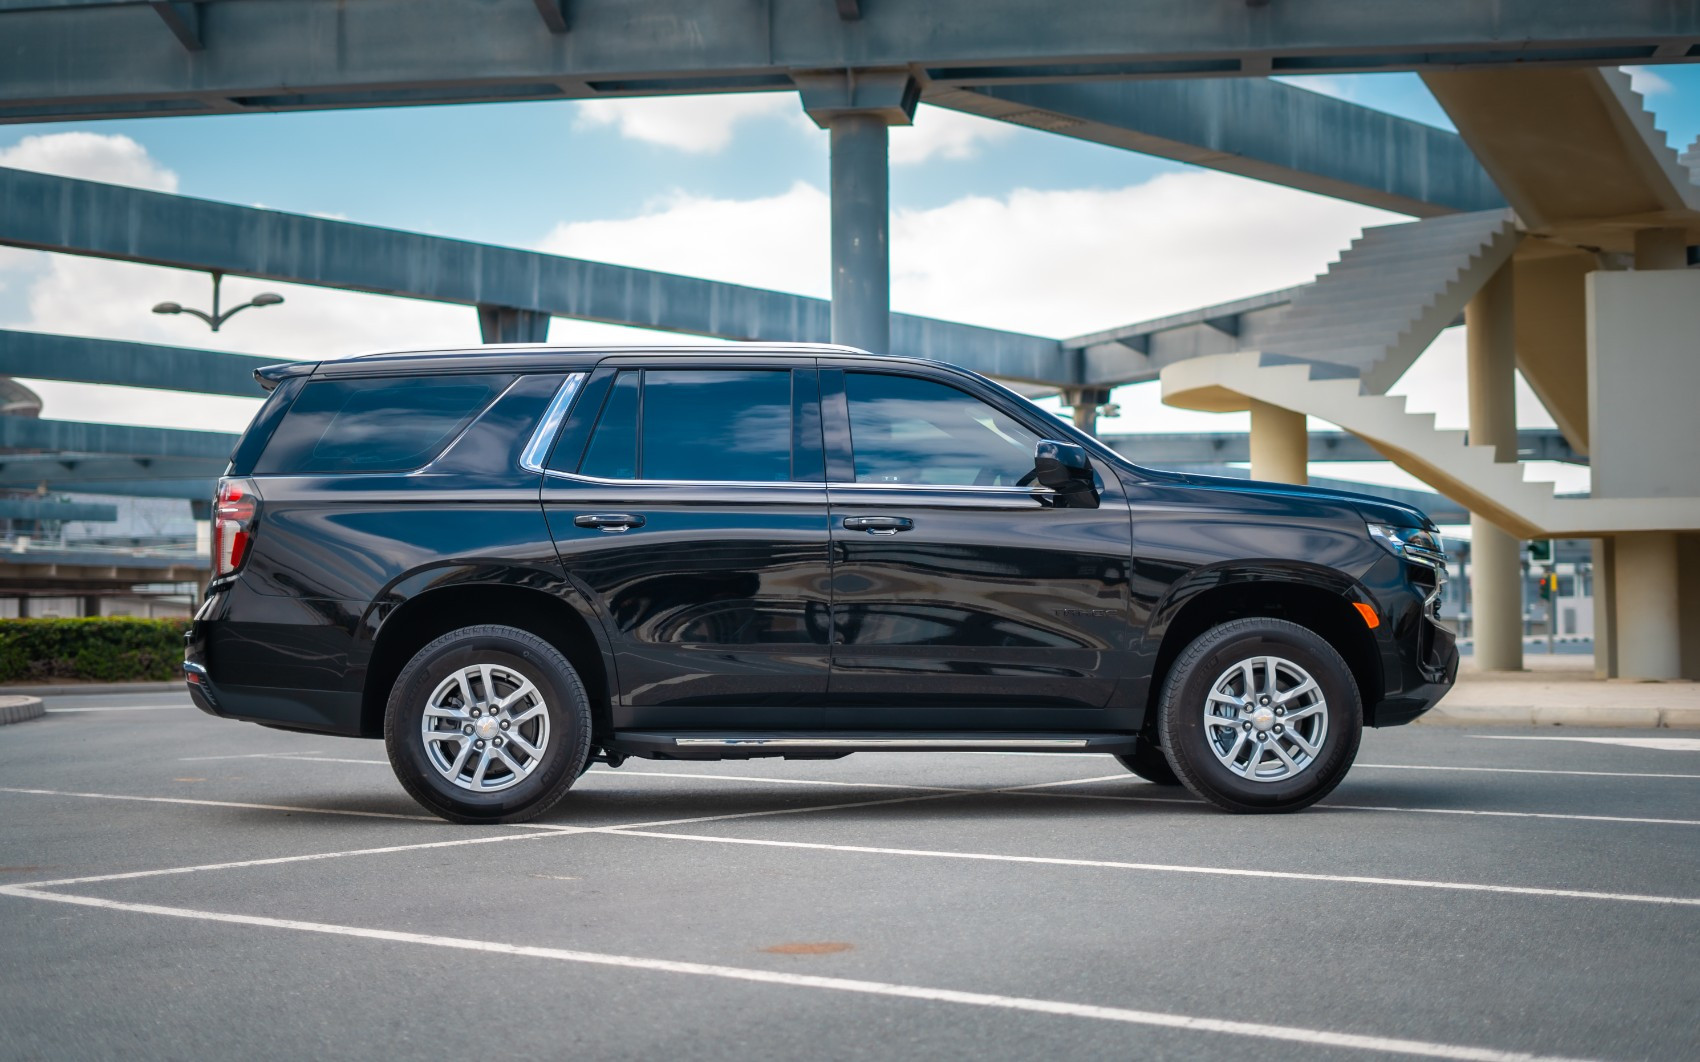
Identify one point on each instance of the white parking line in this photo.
(1662, 744)
(130, 708)
(227, 804)
(1167, 868)
(1518, 770)
(256, 756)
(1287, 1033)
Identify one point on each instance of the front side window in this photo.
(912, 431)
(375, 424)
(694, 424)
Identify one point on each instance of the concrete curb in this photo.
(92, 689)
(1563, 715)
(18, 709)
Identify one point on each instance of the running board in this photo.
(698, 745)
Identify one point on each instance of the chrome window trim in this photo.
(537, 448)
(837, 485)
(810, 484)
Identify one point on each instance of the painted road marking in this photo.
(130, 708)
(1287, 1033)
(1167, 868)
(1518, 770)
(1662, 743)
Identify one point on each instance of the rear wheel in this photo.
(488, 724)
(1261, 715)
(1148, 762)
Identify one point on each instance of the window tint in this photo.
(695, 424)
(613, 447)
(717, 424)
(382, 424)
(907, 430)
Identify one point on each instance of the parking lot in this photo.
(177, 886)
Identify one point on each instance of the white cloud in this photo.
(1646, 81)
(110, 159)
(696, 124)
(944, 134)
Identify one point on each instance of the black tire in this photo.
(1189, 684)
(1148, 762)
(566, 705)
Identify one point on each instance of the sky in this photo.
(992, 224)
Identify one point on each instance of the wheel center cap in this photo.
(1263, 718)
(485, 728)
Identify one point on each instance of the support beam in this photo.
(183, 19)
(1649, 612)
(1262, 129)
(1168, 449)
(1496, 572)
(54, 509)
(51, 213)
(501, 324)
(28, 433)
(1278, 444)
(74, 61)
(555, 15)
(78, 359)
(1085, 403)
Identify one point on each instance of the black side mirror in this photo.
(1065, 468)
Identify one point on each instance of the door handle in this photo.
(609, 521)
(879, 525)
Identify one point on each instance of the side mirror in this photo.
(1065, 468)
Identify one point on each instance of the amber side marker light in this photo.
(1371, 620)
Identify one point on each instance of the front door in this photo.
(959, 583)
(688, 503)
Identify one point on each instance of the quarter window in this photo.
(694, 424)
(913, 431)
(375, 424)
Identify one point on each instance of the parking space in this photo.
(175, 885)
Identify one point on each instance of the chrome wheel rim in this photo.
(486, 728)
(1266, 719)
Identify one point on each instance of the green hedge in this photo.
(118, 649)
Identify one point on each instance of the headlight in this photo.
(1410, 543)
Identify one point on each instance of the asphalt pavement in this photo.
(176, 886)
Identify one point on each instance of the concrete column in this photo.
(1280, 446)
(1605, 608)
(1084, 402)
(861, 215)
(504, 324)
(1496, 575)
(1646, 600)
(1649, 615)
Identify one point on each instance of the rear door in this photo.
(958, 583)
(687, 498)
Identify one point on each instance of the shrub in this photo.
(114, 649)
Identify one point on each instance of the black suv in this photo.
(512, 561)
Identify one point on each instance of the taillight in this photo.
(233, 524)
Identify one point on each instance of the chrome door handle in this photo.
(879, 525)
(609, 521)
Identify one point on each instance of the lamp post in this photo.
(215, 319)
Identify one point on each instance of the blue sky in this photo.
(993, 223)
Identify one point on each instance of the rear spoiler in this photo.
(270, 376)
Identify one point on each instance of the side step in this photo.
(803, 745)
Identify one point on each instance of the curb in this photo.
(1576, 715)
(91, 689)
(18, 709)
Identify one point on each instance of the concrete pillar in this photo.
(1084, 402)
(1605, 608)
(1496, 576)
(1280, 445)
(861, 215)
(504, 324)
(858, 107)
(1646, 598)
(1649, 616)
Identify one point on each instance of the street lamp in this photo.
(216, 318)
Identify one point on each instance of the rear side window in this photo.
(376, 424)
(695, 424)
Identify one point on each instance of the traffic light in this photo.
(1549, 586)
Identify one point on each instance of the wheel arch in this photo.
(548, 608)
(1320, 599)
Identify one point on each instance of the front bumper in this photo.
(1419, 656)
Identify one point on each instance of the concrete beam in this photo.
(51, 213)
(28, 433)
(79, 61)
(1171, 449)
(78, 359)
(54, 509)
(1257, 128)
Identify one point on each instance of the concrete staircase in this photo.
(1469, 475)
(1390, 294)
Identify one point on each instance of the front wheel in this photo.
(488, 724)
(1261, 715)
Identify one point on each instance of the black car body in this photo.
(760, 550)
